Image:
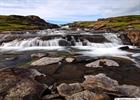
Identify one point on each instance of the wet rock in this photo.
(124, 48)
(45, 79)
(134, 37)
(38, 55)
(35, 73)
(18, 83)
(46, 61)
(23, 88)
(69, 59)
(87, 95)
(51, 96)
(81, 59)
(69, 89)
(102, 63)
(64, 43)
(100, 81)
(130, 90)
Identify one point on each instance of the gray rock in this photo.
(46, 61)
(69, 59)
(100, 81)
(87, 95)
(102, 63)
(18, 83)
(130, 90)
(38, 55)
(69, 89)
(24, 88)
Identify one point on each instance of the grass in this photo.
(114, 23)
(15, 22)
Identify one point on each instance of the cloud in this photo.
(70, 10)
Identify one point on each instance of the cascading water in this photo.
(113, 38)
(32, 42)
(114, 41)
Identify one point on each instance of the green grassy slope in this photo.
(16, 22)
(114, 23)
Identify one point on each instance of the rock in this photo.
(18, 83)
(87, 95)
(81, 59)
(64, 43)
(38, 55)
(23, 88)
(124, 48)
(49, 97)
(69, 89)
(134, 37)
(100, 81)
(45, 79)
(46, 61)
(35, 73)
(102, 63)
(69, 59)
(130, 90)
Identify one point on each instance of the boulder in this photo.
(102, 63)
(134, 37)
(100, 81)
(124, 48)
(69, 59)
(46, 61)
(23, 88)
(64, 43)
(69, 89)
(38, 55)
(18, 83)
(130, 90)
(87, 95)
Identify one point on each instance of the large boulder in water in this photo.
(102, 63)
(46, 61)
(64, 43)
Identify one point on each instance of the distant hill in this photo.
(16, 22)
(121, 23)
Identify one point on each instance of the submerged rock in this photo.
(100, 81)
(46, 61)
(102, 63)
(69, 89)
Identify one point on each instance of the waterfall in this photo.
(113, 38)
(68, 41)
(32, 42)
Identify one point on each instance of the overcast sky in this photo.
(63, 11)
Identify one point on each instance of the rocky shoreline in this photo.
(70, 78)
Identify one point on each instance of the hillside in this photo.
(16, 22)
(114, 23)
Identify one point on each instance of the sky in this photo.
(66, 11)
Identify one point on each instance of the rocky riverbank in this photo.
(70, 78)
